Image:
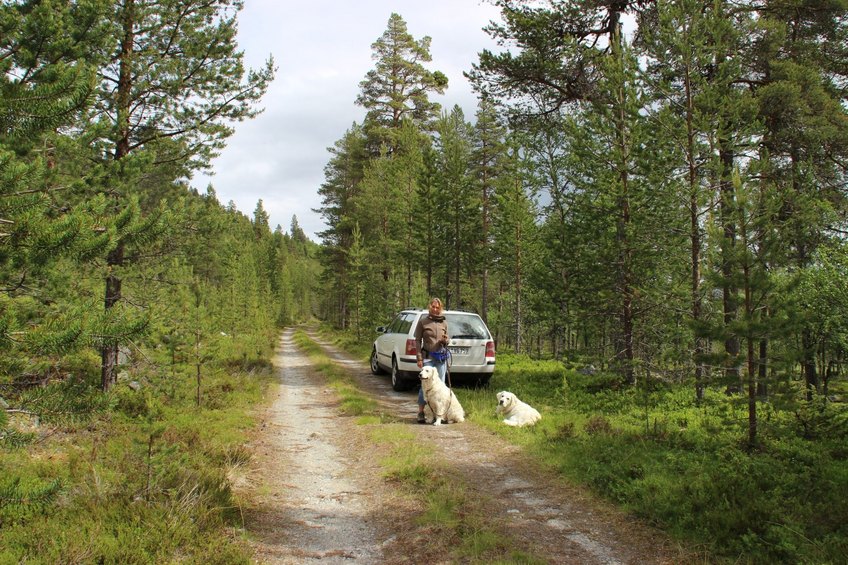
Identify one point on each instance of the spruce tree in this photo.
(514, 242)
(342, 178)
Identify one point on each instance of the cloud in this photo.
(323, 49)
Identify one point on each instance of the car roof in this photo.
(420, 310)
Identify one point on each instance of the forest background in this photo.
(662, 214)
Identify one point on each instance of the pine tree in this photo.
(458, 205)
(800, 64)
(46, 85)
(399, 86)
(731, 108)
(426, 213)
(372, 178)
(357, 282)
(166, 102)
(342, 178)
(515, 240)
(489, 152)
(677, 39)
(384, 210)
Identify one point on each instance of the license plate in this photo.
(459, 350)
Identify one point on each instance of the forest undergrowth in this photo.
(145, 477)
(684, 466)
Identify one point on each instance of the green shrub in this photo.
(594, 382)
(133, 403)
(598, 425)
(532, 381)
(143, 483)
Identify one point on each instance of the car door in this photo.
(385, 343)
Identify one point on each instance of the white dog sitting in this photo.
(441, 400)
(517, 413)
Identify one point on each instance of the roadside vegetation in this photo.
(137, 314)
(144, 477)
(665, 222)
(683, 465)
(455, 523)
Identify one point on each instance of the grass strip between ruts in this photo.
(454, 521)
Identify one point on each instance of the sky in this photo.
(322, 50)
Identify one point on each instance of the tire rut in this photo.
(324, 499)
(313, 507)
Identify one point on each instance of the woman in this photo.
(431, 337)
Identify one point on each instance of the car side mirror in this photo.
(381, 329)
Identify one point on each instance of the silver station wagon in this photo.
(472, 359)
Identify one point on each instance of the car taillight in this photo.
(411, 347)
(490, 349)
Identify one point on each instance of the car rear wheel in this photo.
(483, 382)
(398, 383)
(375, 367)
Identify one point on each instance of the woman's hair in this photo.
(435, 300)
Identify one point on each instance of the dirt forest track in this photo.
(318, 494)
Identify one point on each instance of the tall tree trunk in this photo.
(429, 251)
(808, 342)
(484, 236)
(828, 374)
(448, 300)
(458, 259)
(406, 300)
(811, 377)
(342, 312)
(752, 394)
(694, 236)
(109, 351)
(624, 353)
(762, 370)
(115, 259)
(198, 360)
(749, 321)
(410, 241)
(728, 264)
(518, 283)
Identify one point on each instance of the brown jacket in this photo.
(430, 334)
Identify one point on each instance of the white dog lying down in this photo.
(517, 413)
(441, 400)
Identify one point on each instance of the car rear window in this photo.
(466, 326)
(407, 323)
